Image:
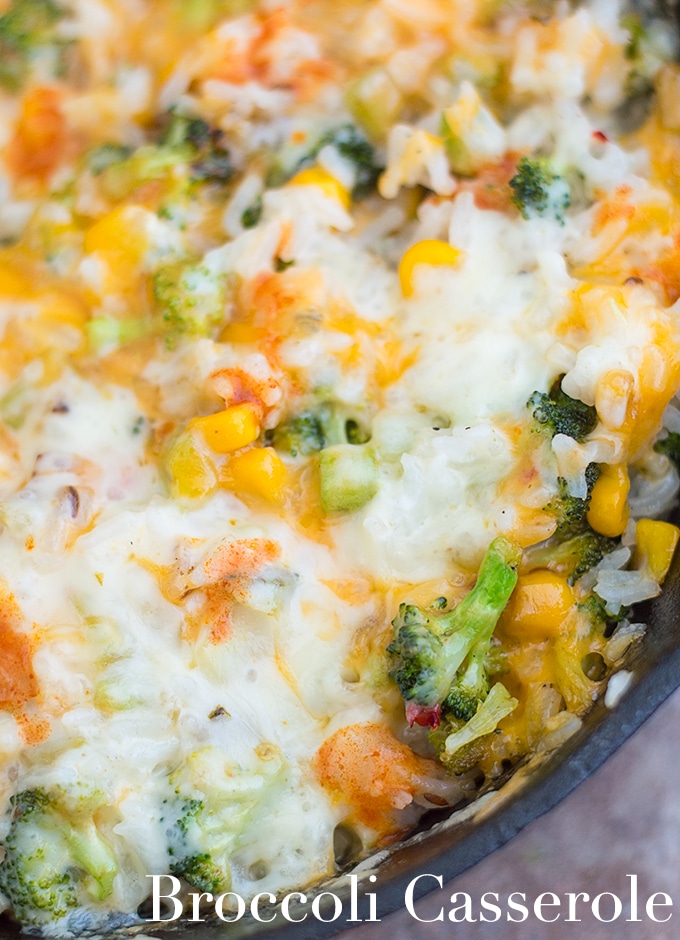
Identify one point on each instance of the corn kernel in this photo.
(226, 431)
(120, 238)
(241, 333)
(608, 512)
(257, 472)
(539, 607)
(431, 251)
(328, 184)
(656, 542)
(191, 473)
(12, 283)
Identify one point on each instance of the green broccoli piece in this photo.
(209, 158)
(348, 477)
(455, 740)
(561, 414)
(598, 615)
(353, 146)
(537, 191)
(431, 646)
(196, 867)
(212, 803)
(470, 688)
(252, 215)
(348, 470)
(24, 27)
(105, 156)
(670, 446)
(571, 511)
(186, 151)
(190, 299)
(55, 857)
(313, 429)
(349, 142)
(572, 556)
(302, 435)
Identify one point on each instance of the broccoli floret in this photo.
(431, 646)
(191, 300)
(105, 156)
(561, 414)
(314, 429)
(210, 159)
(670, 446)
(55, 856)
(349, 143)
(571, 511)
(573, 556)
(24, 27)
(354, 147)
(470, 688)
(348, 470)
(302, 435)
(536, 190)
(596, 610)
(455, 739)
(196, 867)
(186, 152)
(252, 215)
(213, 800)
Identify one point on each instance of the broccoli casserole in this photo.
(339, 348)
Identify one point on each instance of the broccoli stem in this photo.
(429, 648)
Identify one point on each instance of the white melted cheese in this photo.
(144, 697)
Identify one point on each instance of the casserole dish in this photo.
(282, 411)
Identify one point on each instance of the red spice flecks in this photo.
(18, 683)
(428, 716)
(598, 135)
(32, 729)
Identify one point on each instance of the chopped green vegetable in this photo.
(24, 27)
(105, 156)
(573, 556)
(537, 191)
(251, 216)
(453, 738)
(348, 477)
(214, 801)
(561, 414)
(354, 147)
(571, 511)
(191, 300)
(312, 430)
(54, 854)
(439, 654)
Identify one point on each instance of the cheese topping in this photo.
(337, 355)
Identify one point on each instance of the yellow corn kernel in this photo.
(120, 238)
(191, 473)
(317, 176)
(429, 251)
(539, 607)
(241, 333)
(608, 512)
(656, 542)
(12, 283)
(228, 430)
(257, 472)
